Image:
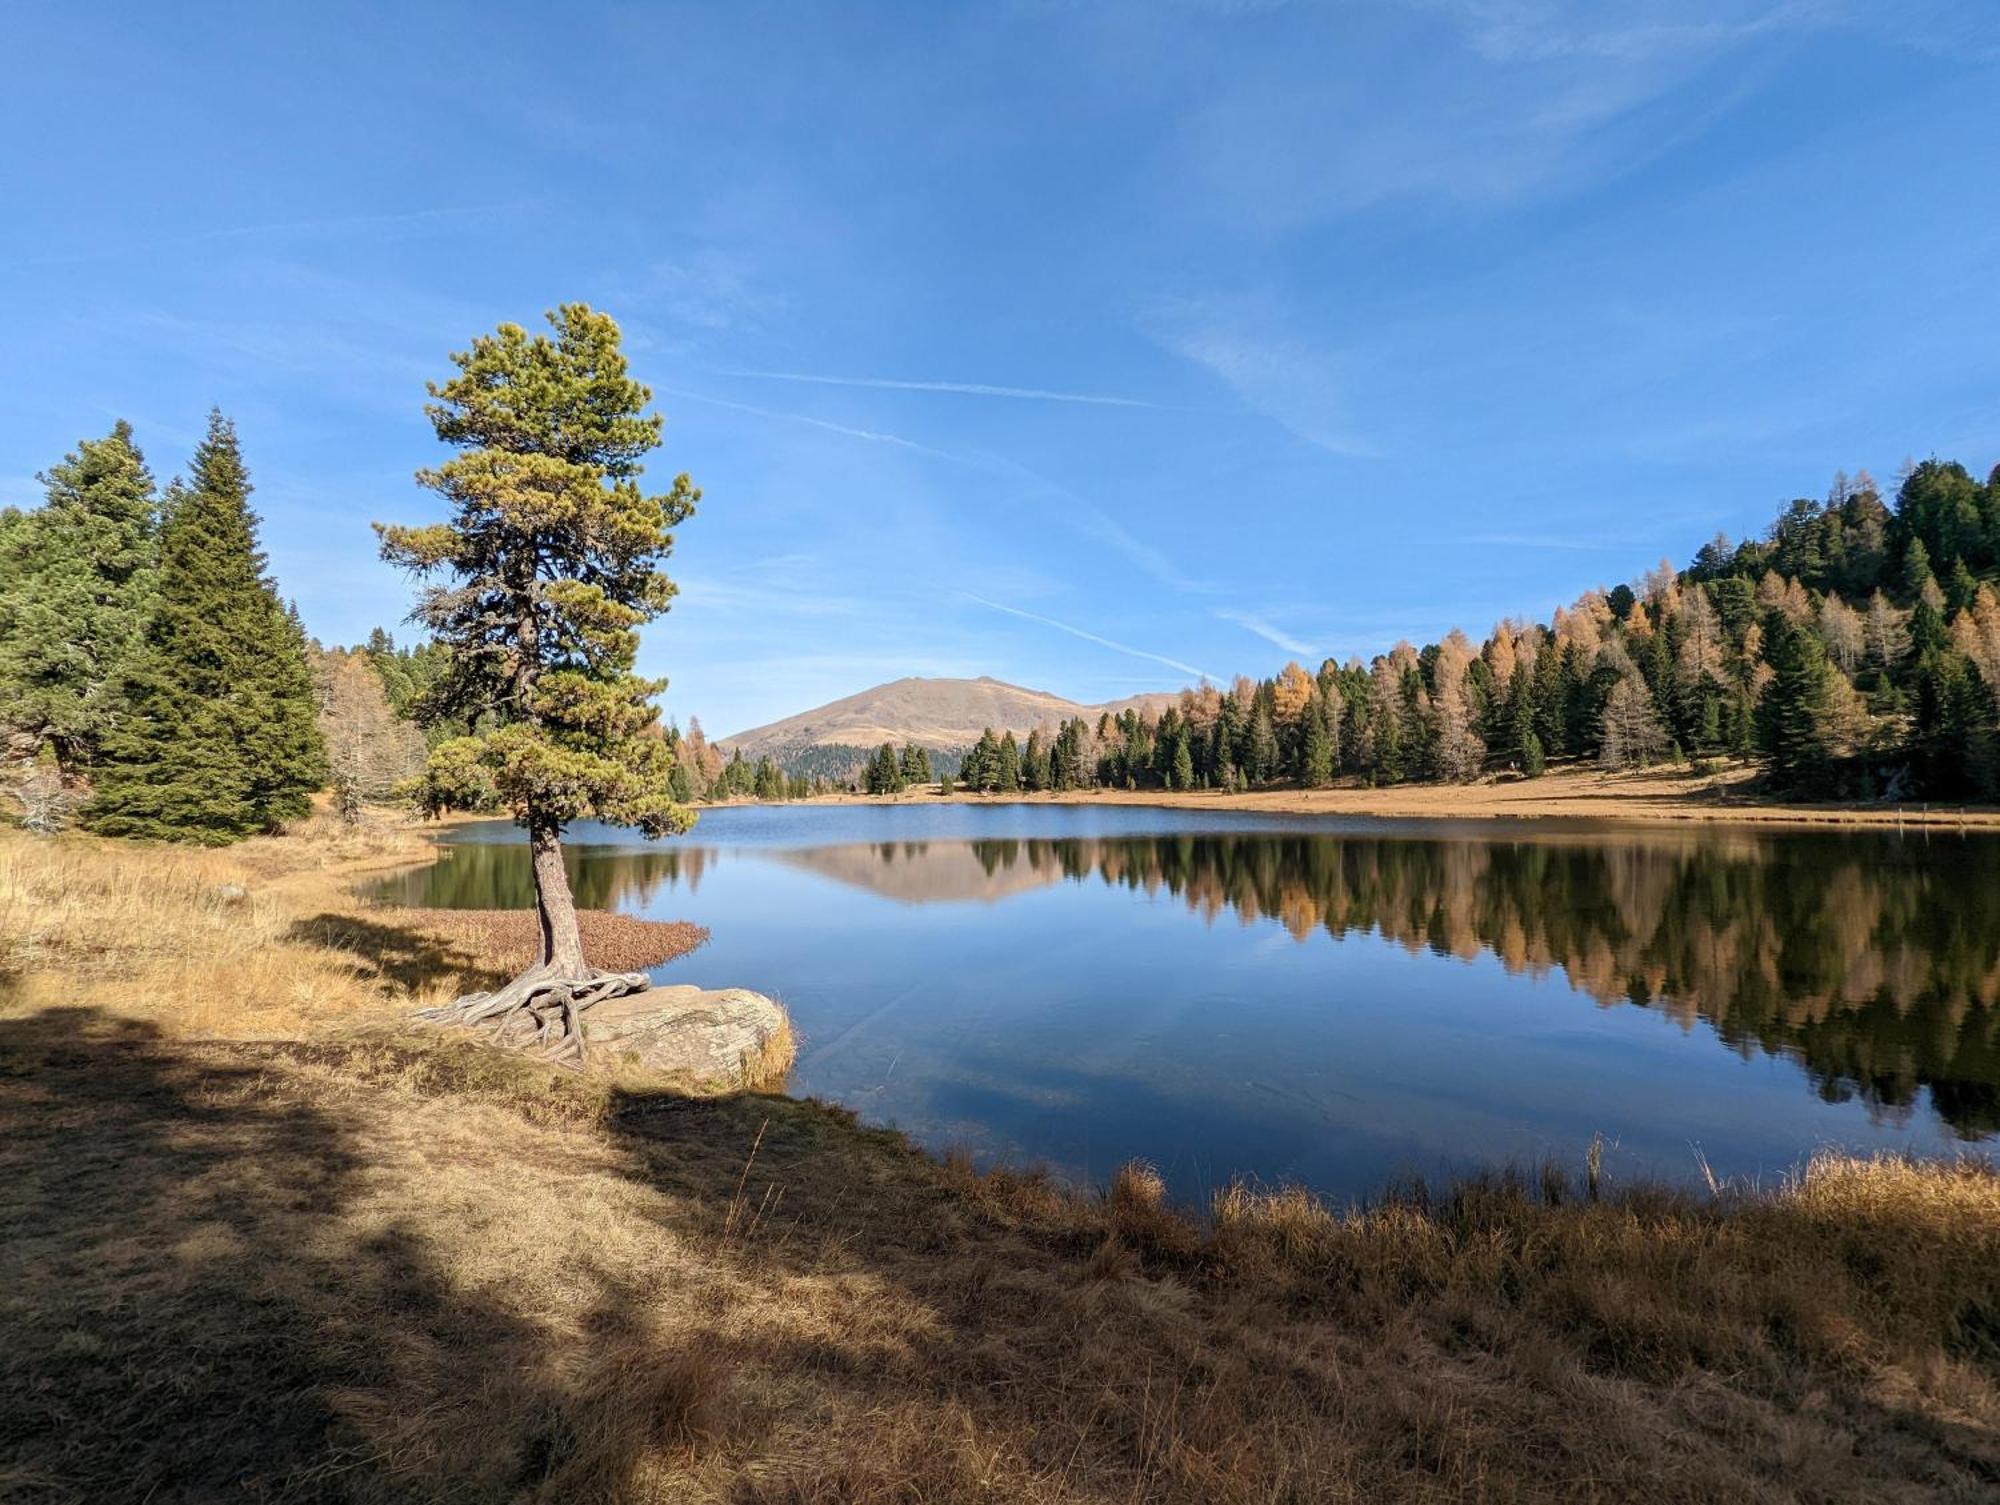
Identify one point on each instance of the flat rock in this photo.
(725, 1039)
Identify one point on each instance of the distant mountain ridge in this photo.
(944, 715)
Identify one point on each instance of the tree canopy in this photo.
(216, 737)
(550, 561)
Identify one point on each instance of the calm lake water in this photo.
(1331, 1002)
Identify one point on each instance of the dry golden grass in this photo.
(385, 1266)
(412, 1269)
(1671, 794)
(196, 941)
(265, 939)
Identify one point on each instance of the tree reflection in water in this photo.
(1872, 960)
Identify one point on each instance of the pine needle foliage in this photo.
(550, 562)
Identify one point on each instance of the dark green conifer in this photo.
(76, 578)
(1318, 751)
(1007, 765)
(218, 737)
(1796, 711)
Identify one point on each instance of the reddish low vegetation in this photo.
(507, 938)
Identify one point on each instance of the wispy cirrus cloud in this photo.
(710, 289)
(1515, 31)
(1298, 386)
(1091, 637)
(1077, 512)
(1094, 522)
(962, 388)
(1523, 99)
(396, 225)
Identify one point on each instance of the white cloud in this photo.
(1517, 31)
(392, 226)
(1481, 103)
(872, 436)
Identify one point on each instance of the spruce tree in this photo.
(1928, 633)
(1521, 713)
(1180, 773)
(218, 738)
(76, 578)
(1949, 736)
(552, 559)
(1796, 712)
(770, 780)
(1262, 760)
(981, 768)
(1007, 765)
(1917, 573)
(1319, 745)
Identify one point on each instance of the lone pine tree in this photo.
(551, 561)
(216, 736)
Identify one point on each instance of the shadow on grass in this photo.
(202, 1301)
(356, 1271)
(409, 958)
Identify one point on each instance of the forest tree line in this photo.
(1855, 649)
(154, 683)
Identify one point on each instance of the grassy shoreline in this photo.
(279, 1248)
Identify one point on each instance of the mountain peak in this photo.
(943, 715)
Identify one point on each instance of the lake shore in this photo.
(263, 1239)
(1650, 796)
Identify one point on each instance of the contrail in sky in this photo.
(1091, 637)
(967, 388)
(872, 435)
(1268, 633)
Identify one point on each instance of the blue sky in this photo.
(1091, 346)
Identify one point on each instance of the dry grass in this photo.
(403, 1269)
(1670, 794)
(265, 939)
(384, 1266)
(196, 941)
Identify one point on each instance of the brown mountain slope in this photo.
(941, 714)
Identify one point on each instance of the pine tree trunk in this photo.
(562, 941)
(543, 1008)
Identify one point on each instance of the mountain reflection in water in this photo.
(1871, 962)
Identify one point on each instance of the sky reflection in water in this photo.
(1332, 1002)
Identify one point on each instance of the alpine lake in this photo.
(1338, 1003)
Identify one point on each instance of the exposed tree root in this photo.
(541, 1011)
